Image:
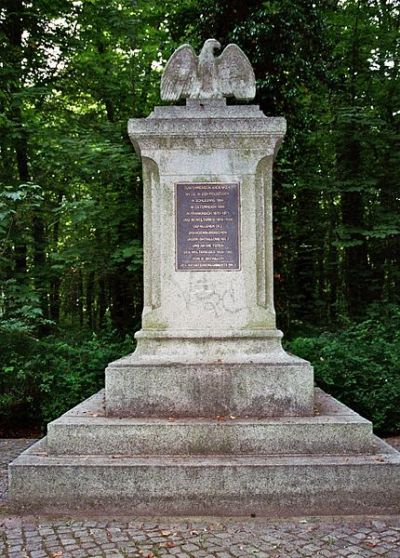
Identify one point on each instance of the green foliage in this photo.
(332, 70)
(41, 379)
(73, 73)
(360, 365)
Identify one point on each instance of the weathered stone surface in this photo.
(206, 77)
(333, 429)
(218, 485)
(242, 389)
(217, 146)
(326, 464)
(10, 448)
(208, 338)
(106, 535)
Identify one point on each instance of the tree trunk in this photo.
(13, 29)
(39, 261)
(102, 302)
(55, 281)
(89, 300)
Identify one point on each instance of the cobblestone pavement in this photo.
(83, 537)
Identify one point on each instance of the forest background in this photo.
(73, 72)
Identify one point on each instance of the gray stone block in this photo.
(218, 485)
(333, 429)
(329, 463)
(246, 389)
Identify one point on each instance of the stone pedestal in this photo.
(208, 334)
(325, 464)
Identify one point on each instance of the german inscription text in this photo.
(207, 226)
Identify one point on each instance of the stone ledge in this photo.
(208, 122)
(278, 486)
(86, 430)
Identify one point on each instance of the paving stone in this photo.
(108, 546)
(327, 553)
(66, 542)
(88, 545)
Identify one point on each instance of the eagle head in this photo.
(210, 45)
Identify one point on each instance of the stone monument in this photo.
(209, 415)
(208, 333)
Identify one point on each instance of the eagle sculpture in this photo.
(206, 76)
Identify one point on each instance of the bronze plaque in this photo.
(207, 226)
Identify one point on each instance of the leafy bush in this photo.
(42, 378)
(360, 365)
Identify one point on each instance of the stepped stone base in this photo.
(333, 429)
(329, 463)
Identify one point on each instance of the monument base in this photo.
(328, 463)
(244, 375)
(210, 390)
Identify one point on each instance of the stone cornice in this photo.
(184, 122)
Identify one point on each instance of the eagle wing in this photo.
(180, 74)
(235, 74)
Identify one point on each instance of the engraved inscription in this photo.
(207, 226)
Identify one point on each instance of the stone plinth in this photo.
(208, 336)
(243, 388)
(204, 145)
(327, 464)
(334, 429)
